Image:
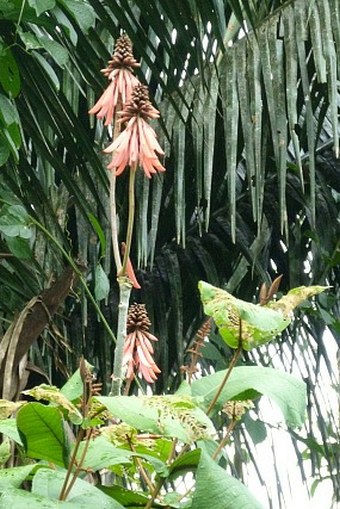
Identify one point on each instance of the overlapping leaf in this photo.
(249, 325)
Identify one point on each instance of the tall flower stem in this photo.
(131, 218)
(123, 307)
(113, 210)
(125, 287)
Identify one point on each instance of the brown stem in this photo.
(172, 452)
(127, 387)
(229, 370)
(79, 466)
(154, 494)
(225, 439)
(79, 438)
(141, 469)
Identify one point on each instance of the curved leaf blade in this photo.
(214, 484)
(245, 382)
(240, 320)
(41, 430)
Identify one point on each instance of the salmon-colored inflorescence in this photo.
(120, 72)
(137, 144)
(138, 349)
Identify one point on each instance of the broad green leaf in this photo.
(14, 222)
(8, 111)
(172, 416)
(9, 75)
(82, 12)
(30, 40)
(214, 485)
(8, 427)
(256, 429)
(21, 499)
(53, 395)
(41, 6)
(14, 476)
(19, 247)
(55, 49)
(160, 467)
(185, 463)
(73, 388)
(83, 495)
(102, 284)
(247, 382)
(102, 454)
(126, 497)
(259, 324)
(42, 433)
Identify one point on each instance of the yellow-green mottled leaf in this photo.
(7, 408)
(258, 324)
(53, 394)
(296, 296)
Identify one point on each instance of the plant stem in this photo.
(123, 307)
(141, 469)
(131, 218)
(154, 494)
(79, 438)
(79, 466)
(225, 439)
(229, 370)
(113, 221)
(125, 287)
(79, 274)
(113, 211)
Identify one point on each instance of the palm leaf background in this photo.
(249, 97)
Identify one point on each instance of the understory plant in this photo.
(73, 447)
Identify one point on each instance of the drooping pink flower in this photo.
(120, 72)
(137, 144)
(130, 270)
(138, 349)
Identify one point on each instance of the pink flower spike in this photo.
(119, 88)
(137, 144)
(122, 81)
(138, 349)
